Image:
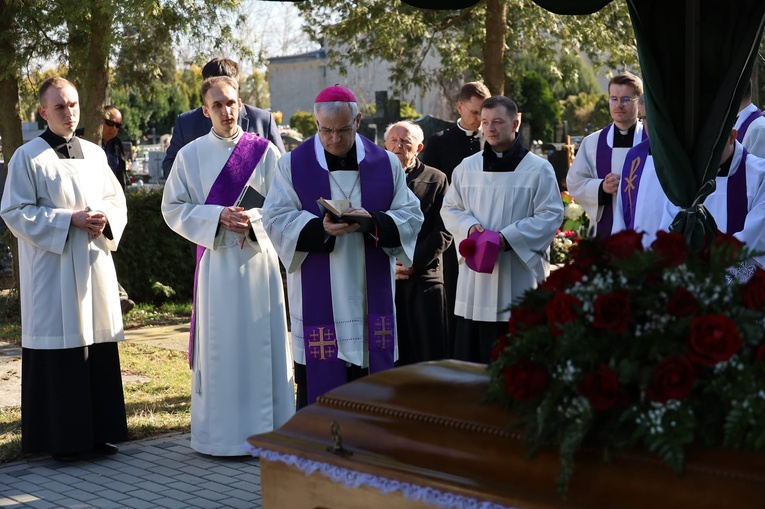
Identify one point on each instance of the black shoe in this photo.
(126, 306)
(105, 448)
(66, 457)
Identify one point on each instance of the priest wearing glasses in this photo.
(341, 273)
(242, 368)
(593, 179)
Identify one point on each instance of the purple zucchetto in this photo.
(335, 93)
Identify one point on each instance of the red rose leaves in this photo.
(713, 339)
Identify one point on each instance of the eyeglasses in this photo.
(622, 100)
(112, 123)
(341, 131)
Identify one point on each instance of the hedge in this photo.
(151, 252)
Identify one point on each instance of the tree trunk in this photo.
(494, 47)
(96, 79)
(10, 114)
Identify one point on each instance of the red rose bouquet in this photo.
(625, 347)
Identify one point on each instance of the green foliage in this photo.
(367, 29)
(539, 107)
(304, 122)
(150, 251)
(254, 90)
(581, 112)
(406, 110)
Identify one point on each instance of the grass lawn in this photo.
(158, 388)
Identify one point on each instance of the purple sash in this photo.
(324, 370)
(603, 166)
(738, 201)
(745, 126)
(225, 190)
(631, 174)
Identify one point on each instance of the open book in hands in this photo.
(342, 212)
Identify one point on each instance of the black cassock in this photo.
(421, 300)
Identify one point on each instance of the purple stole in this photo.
(603, 167)
(737, 199)
(745, 126)
(631, 174)
(324, 369)
(225, 190)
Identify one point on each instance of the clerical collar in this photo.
(65, 149)
(472, 134)
(509, 160)
(348, 162)
(235, 137)
(624, 139)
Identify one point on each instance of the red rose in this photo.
(623, 244)
(673, 379)
(601, 388)
(671, 248)
(728, 244)
(588, 252)
(713, 339)
(561, 309)
(613, 311)
(683, 303)
(522, 318)
(753, 292)
(759, 354)
(562, 278)
(502, 342)
(467, 248)
(525, 380)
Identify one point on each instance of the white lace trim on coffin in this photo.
(352, 479)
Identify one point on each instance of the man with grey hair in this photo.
(420, 294)
(340, 273)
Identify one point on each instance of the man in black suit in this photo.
(193, 124)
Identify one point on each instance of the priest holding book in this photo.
(340, 274)
(242, 382)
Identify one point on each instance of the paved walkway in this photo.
(154, 473)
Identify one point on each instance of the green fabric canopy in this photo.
(697, 58)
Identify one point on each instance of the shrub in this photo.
(150, 252)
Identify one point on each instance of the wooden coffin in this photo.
(423, 431)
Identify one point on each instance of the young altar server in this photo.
(750, 125)
(340, 275)
(509, 190)
(242, 380)
(65, 206)
(593, 179)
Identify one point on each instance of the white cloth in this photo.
(754, 139)
(582, 180)
(753, 233)
(285, 219)
(69, 293)
(525, 206)
(650, 205)
(242, 383)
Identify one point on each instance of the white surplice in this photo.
(754, 139)
(525, 206)
(69, 293)
(242, 383)
(285, 219)
(582, 180)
